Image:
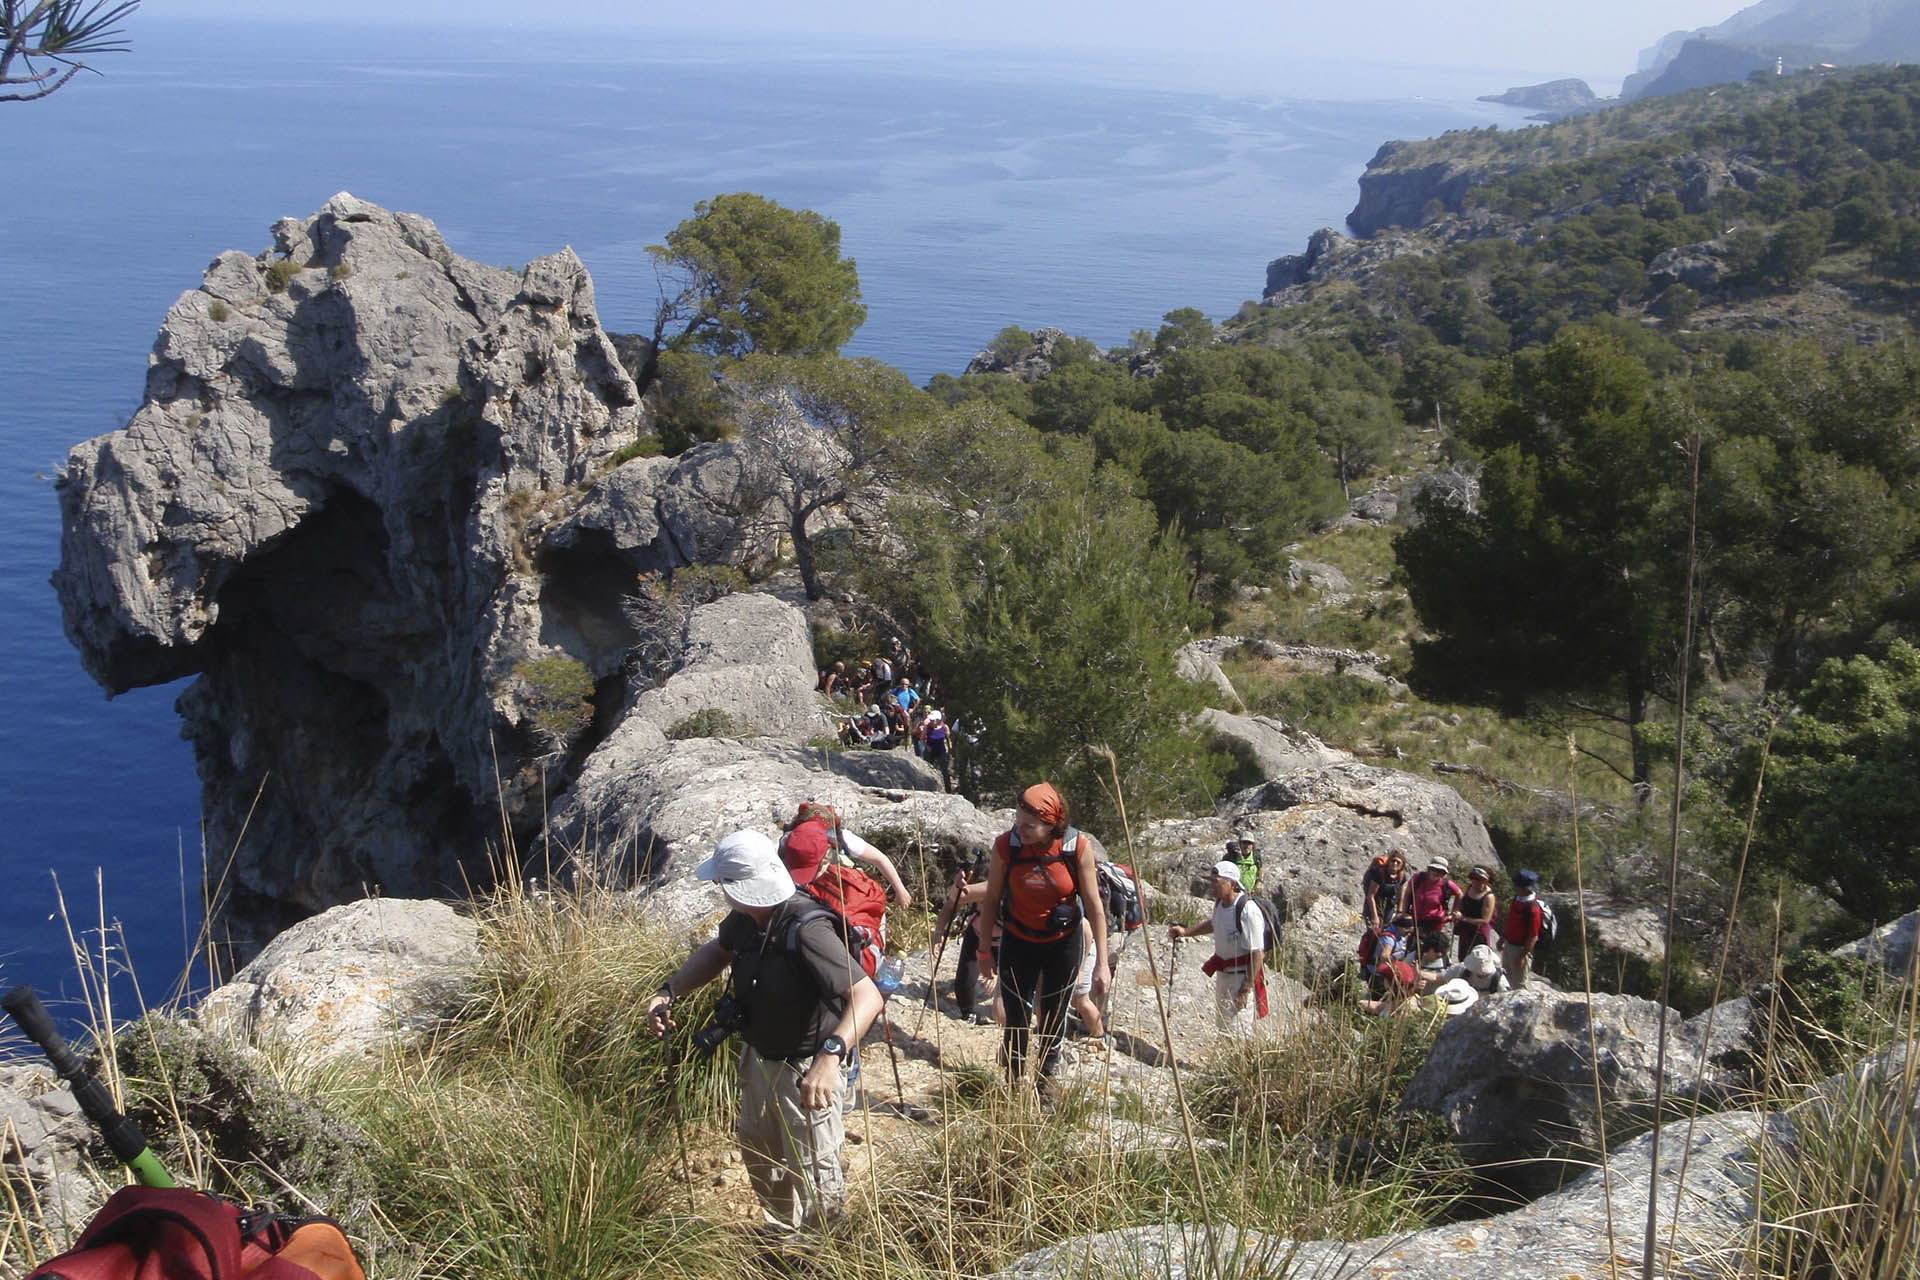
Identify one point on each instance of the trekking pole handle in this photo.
(122, 1135)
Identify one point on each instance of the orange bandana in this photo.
(1044, 802)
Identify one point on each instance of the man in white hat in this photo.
(799, 999)
(1239, 951)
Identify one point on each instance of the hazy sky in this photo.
(1598, 41)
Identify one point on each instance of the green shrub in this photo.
(218, 313)
(279, 273)
(340, 271)
(644, 447)
(559, 693)
(710, 722)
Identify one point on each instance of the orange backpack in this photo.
(175, 1233)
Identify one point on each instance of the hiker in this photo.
(1040, 881)
(1473, 915)
(936, 746)
(798, 999)
(1380, 888)
(1243, 851)
(1400, 993)
(833, 681)
(801, 850)
(1525, 921)
(1239, 951)
(1380, 947)
(969, 889)
(1429, 898)
(1480, 969)
(1083, 1006)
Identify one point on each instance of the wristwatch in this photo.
(835, 1046)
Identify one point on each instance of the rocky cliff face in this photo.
(369, 481)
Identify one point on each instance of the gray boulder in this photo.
(1266, 746)
(749, 657)
(1515, 1079)
(350, 982)
(369, 482)
(43, 1147)
(1593, 1227)
(1891, 946)
(1317, 830)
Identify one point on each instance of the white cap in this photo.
(1228, 871)
(748, 869)
(935, 714)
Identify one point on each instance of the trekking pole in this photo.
(891, 971)
(679, 1116)
(122, 1135)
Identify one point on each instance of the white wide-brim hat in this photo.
(747, 867)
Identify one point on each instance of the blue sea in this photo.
(974, 190)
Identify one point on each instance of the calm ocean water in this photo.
(974, 192)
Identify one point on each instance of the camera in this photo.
(728, 1017)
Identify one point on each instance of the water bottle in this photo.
(892, 969)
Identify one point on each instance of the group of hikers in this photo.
(805, 943)
(898, 696)
(1434, 944)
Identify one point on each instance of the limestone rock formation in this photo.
(43, 1148)
(1515, 1078)
(1316, 831)
(369, 484)
(350, 981)
(1589, 1228)
(1268, 747)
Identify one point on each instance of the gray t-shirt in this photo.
(793, 997)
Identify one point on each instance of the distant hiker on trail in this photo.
(1474, 915)
(1240, 943)
(1380, 889)
(1429, 898)
(968, 891)
(936, 746)
(1525, 921)
(798, 999)
(1040, 881)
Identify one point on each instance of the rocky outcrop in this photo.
(750, 658)
(350, 982)
(1590, 1228)
(369, 484)
(1315, 830)
(1331, 256)
(1394, 193)
(1267, 747)
(1556, 97)
(1029, 363)
(1515, 1079)
(43, 1149)
(1891, 946)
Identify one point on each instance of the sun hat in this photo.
(935, 714)
(1481, 962)
(1459, 995)
(1228, 871)
(1480, 873)
(804, 850)
(1438, 863)
(748, 870)
(1531, 879)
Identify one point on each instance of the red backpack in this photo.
(175, 1233)
(808, 850)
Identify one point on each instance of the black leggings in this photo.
(1036, 985)
(969, 970)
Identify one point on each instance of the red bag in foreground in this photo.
(173, 1233)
